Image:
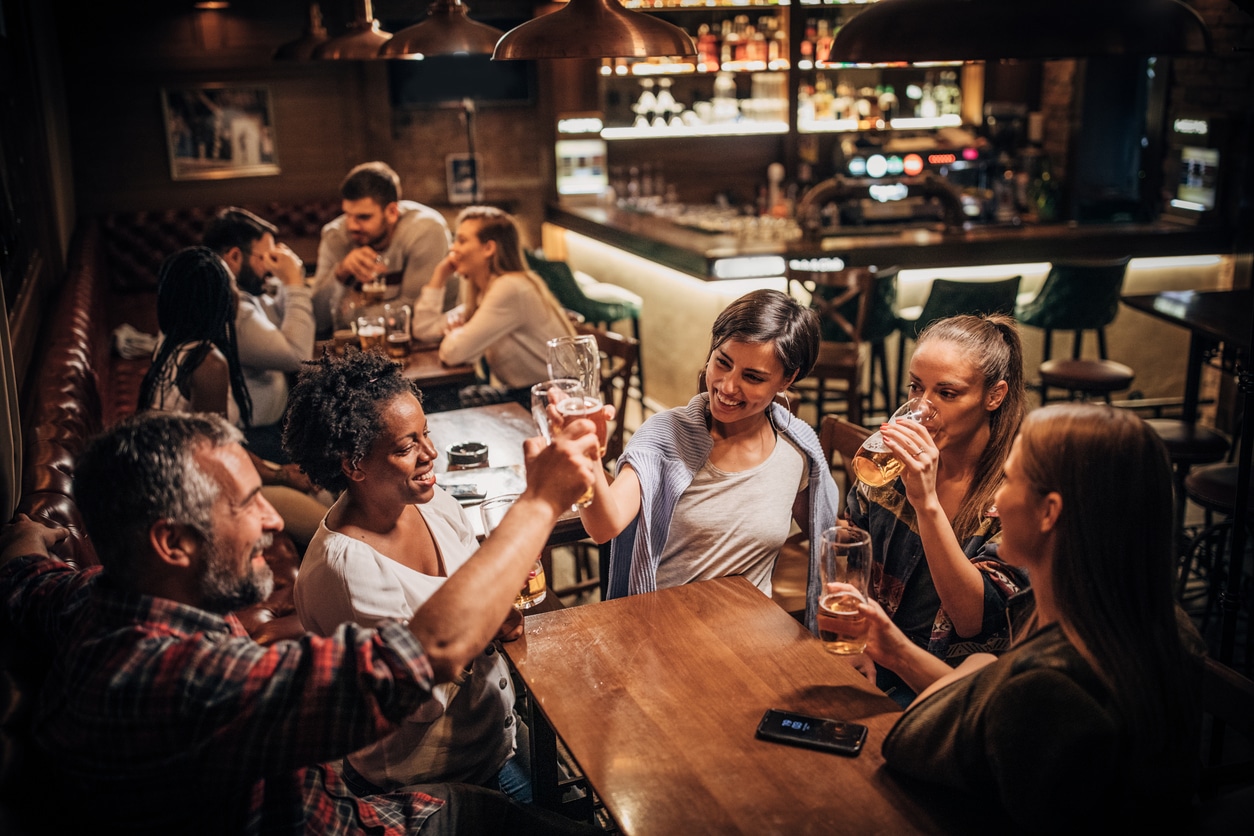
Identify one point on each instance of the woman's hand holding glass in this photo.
(555, 403)
(912, 444)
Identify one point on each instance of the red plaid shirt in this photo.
(168, 718)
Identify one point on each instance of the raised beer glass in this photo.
(874, 464)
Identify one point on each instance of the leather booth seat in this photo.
(77, 387)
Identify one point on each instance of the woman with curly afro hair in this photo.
(357, 427)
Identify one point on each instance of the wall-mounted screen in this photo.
(1199, 179)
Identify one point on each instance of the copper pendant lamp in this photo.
(302, 48)
(989, 30)
(594, 29)
(446, 30)
(362, 40)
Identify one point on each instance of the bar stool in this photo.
(1188, 444)
(1214, 488)
(1078, 296)
(952, 298)
(599, 303)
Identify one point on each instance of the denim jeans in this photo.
(514, 776)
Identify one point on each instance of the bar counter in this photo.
(686, 275)
(695, 251)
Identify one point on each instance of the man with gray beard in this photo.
(159, 711)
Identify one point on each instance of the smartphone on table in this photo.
(821, 733)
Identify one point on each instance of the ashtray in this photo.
(468, 454)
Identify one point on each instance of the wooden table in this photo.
(1219, 323)
(1213, 318)
(657, 698)
(503, 427)
(423, 366)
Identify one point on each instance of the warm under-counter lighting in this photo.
(212, 5)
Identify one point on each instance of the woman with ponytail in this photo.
(935, 529)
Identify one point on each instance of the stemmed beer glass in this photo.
(874, 464)
(568, 399)
(577, 357)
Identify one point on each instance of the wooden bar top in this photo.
(658, 696)
(694, 251)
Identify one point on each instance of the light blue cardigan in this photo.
(666, 453)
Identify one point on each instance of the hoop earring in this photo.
(787, 407)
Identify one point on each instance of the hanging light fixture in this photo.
(988, 30)
(446, 30)
(594, 29)
(302, 48)
(362, 40)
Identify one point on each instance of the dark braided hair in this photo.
(334, 412)
(196, 304)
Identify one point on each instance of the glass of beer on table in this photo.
(493, 511)
(370, 332)
(396, 320)
(845, 573)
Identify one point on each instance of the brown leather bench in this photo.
(80, 386)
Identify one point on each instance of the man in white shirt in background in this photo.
(274, 324)
(378, 236)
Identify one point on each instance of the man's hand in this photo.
(25, 536)
(284, 263)
(360, 264)
(512, 627)
(561, 472)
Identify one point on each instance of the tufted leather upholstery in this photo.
(137, 242)
(78, 387)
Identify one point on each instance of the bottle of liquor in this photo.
(888, 104)
(806, 47)
(707, 49)
(823, 42)
(822, 98)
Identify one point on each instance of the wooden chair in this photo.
(792, 567)
(843, 315)
(1226, 792)
(620, 355)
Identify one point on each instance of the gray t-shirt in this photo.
(734, 523)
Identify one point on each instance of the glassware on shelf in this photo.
(645, 106)
(726, 106)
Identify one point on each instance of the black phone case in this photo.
(824, 734)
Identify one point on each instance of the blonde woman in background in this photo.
(507, 315)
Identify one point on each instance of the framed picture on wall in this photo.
(462, 178)
(219, 131)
